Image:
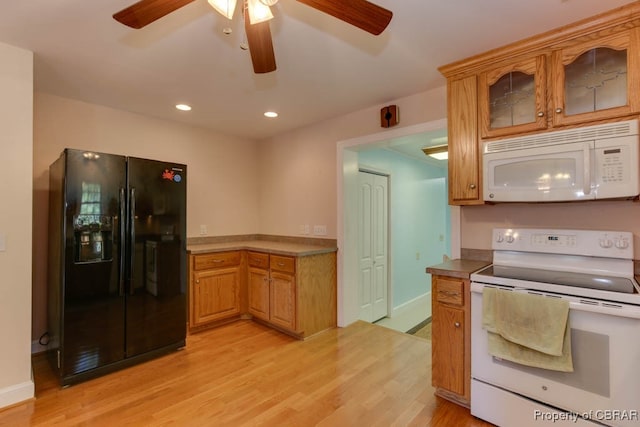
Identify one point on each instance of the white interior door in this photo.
(372, 245)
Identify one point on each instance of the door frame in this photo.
(347, 207)
(380, 172)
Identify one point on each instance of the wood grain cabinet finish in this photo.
(294, 294)
(584, 73)
(215, 287)
(271, 291)
(512, 98)
(465, 173)
(596, 77)
(451, 339)
(258, 283)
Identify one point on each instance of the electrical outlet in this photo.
(417, 256)
(303, 229)
(3, 242)
(203, 230)
(320, 230)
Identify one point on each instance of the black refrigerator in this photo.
(117, 262)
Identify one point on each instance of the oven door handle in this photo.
(609, 309)
(614, 310)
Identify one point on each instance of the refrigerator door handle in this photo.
(132, 237)
(123, 236)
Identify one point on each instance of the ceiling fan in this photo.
(360, 13)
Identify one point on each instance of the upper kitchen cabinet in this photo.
(465, 178)
(584, 73)
(512, 98)
(596, 78)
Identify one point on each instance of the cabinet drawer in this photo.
(258, 259)
(283, 263)
(215, 260)
(450, 291)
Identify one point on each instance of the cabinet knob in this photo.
(558, 110)
(457, 324)
(198, 281)
(472, 186)
(540, 114)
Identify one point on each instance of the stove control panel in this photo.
(611, 244)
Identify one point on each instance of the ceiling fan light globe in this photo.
(258, 12)
(268, 2)
(224, 7)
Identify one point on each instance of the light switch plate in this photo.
(3, 242)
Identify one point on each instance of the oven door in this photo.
(605, 384)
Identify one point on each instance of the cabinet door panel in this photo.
(512, 98)
(596, 78)
(283, 300)
(448, 349)
(464, 157)
(217, 294)
(259, 293)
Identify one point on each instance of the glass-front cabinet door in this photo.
(512, 98)
(596, 79)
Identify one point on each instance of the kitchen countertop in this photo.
(460, 268)
(278, 248)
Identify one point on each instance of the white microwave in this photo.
(594, 162)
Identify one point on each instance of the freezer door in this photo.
(156, 292)
(92, 314)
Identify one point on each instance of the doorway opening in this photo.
(412, 242)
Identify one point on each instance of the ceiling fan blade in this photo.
(260, 46)
(361, 13)
(145, 12)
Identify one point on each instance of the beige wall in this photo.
(478, 221)
(16, 148)
(222, 171)
(298, 170)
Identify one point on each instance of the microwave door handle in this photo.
(586, 170)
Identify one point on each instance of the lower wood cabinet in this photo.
(272, 289)
(295, 294)
(215, 287)
(451, 338)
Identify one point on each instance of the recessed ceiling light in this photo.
(183, 107)
(271, 114)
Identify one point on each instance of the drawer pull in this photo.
(281, 264)
(218, 260)
(450, 293)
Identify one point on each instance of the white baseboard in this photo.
(17, 393)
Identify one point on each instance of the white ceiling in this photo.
(325, 67)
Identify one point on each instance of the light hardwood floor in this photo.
(245, 374)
